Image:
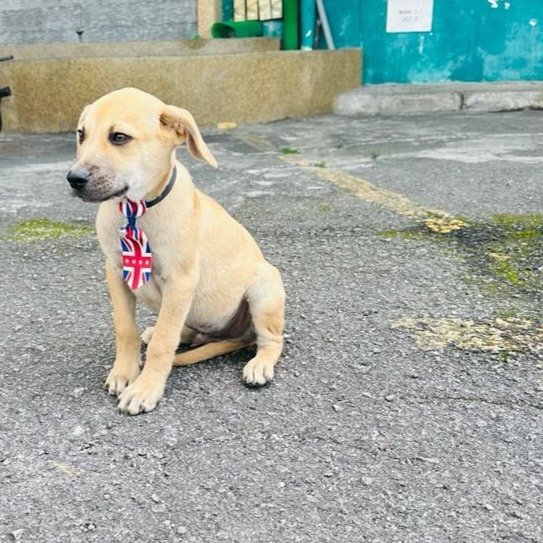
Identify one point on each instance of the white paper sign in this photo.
(409, 15)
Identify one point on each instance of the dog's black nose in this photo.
(78, 178)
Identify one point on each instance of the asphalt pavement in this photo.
(370, 432)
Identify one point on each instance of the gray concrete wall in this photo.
(46, 21)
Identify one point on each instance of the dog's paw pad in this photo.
(147, 335)
(257, 373)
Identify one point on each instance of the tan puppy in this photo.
(210, 283)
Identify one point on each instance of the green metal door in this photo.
(468, 40)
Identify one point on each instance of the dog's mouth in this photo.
(116, 194)
(99, 197)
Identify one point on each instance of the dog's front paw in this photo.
(120, 377)
(258, 372)
(141, 396)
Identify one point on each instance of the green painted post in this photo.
(290, 24)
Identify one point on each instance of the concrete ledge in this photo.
(419, 99)
(48, 95)
(47, 51)
(369, 103)
(505, 100)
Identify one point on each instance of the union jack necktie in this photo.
(135, 249)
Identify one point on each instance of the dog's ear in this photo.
(182, 123)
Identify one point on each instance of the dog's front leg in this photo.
(146, 391)
(126, 367)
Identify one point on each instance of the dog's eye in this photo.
(118, 138)
(80, 135)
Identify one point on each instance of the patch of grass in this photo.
(508, 272)
(515, 250)
(320, 164)
(402, 234)
(374, 155)
(414, 233)
(289, 151)
(34, 230)
(507, 313)
(325, 208)
(503, 356)
(529, 222)
(505, 252)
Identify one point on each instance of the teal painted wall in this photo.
(345, 18)
(471, 40)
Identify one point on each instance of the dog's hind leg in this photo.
(209, 350)
(266, 298)
(187, 335)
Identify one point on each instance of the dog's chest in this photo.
(151, 293)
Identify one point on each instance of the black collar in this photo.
(165, 192)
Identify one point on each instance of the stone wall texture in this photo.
(47, 21)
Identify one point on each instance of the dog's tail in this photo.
(209, 350)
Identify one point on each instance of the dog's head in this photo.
(125, 145)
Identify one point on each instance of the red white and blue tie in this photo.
(135, 249)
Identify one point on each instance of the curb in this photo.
(393, 99)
